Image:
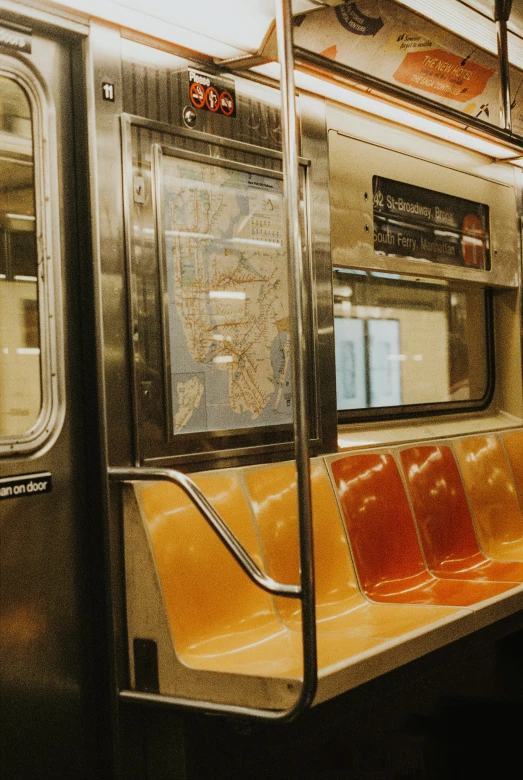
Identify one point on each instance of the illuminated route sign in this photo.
(418, 223)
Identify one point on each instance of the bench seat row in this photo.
(414, 548)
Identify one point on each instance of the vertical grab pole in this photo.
(501, 16)
(299, 346)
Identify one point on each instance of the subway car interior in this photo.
(261, 389)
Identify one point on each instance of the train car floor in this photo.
(455, 714)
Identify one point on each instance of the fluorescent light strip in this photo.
(239, 24)
(401, 116)
(164, 30)
(372, 105)
(148, 55)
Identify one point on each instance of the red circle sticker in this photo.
(226, 103)
(473, 242)
(197, 95)
(212, 99)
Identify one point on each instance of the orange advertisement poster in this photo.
(442, 73)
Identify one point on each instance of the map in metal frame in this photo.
(228, 307)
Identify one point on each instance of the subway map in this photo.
(227, 297)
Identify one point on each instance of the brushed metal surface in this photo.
(51, 618)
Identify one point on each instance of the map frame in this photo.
(161, 152)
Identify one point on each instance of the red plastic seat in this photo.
(340, 606)
(442, 514)
(494, 504)
(384, 541)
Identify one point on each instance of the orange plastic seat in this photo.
(490, 487)
(217, 637)
(447, 532)
(513, 443)
(384, 541)
(340, 606)
(209, 601)
(219, 619)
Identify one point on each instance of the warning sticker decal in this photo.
(212, 93)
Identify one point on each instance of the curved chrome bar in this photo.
(135, 474)
(233, 710)
(132, 474)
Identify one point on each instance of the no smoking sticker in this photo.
(197, 95)
(227, 104)
(212, 99)
(211, 93)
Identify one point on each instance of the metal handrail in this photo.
(299, 341)
(305, 591)
(216, 522)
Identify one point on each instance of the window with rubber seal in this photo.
(30, 379)
(405, 342)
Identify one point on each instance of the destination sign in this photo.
(426, 225)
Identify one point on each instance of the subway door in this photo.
(52, 625)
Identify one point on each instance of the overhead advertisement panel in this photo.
(389, 42)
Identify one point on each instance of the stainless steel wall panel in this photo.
(54, 694)
(109, 232)
(315, 147)
(161, 94)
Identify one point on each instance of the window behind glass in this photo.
(405, 342)
(20, 369)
